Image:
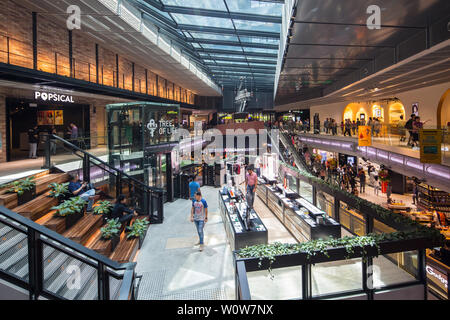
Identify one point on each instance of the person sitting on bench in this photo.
(122, 212)
(83, 190)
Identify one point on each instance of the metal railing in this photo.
(145, 199)
(50, 266)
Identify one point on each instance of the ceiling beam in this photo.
(239, 53)
(216, 30)
(235, 43)
(218, 59)
(222, 14)
(238, 66)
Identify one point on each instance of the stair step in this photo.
(10, 240)
(86, 273)
(38, 207)
(22, 267)
(89, 292)
(125, 251)
(82, 231)
(57, 224)
(55, 285)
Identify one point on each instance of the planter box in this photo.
(72, 219)
(26, 196)
(114, 242)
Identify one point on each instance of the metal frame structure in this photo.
(212, 44)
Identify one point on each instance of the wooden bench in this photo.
(57, 224)
(101, 246)
(126, 250)
(10, 200)
(82, 231)
(38, 207)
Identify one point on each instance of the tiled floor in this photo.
(171, 265)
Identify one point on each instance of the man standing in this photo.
(194, 187)
(362, 181)
(251, 181)
(199, 215)
(33, 140)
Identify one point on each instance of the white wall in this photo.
(428, 99)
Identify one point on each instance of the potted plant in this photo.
(59, 191)
(25, 189)
(138, 230)
(103, 208)
(111, 231)
(72, 210)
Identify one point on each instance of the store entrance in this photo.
(23, 114)
(159, 173)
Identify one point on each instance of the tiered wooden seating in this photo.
(126, 250)
(101, 246)
(82, 231)
(9, 200)
(38, 207)
(57, 224)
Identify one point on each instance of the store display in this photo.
(242, 230)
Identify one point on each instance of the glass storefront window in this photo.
(352, 220)
(325, 202)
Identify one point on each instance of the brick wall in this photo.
(107, 66)
(16, 23)
(139, 79)
(53, 46)
(83, 50)
(125, 74)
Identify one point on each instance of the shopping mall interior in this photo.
(224, 150)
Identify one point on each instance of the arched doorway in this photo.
(377, 112)
(443, 110)
(355, 111)
(396, 113)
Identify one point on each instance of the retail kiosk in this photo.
(242, 230)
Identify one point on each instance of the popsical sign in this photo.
(430, 146)
(53, 97)
(364, 136)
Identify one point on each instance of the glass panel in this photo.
(287, 284)
(336, 276)
(254, 25)
(202, 21)
(68, 277)
(394, 268)
(114, 287)
(306, 191)
(255, 7)
(201, 4)
(13, 252)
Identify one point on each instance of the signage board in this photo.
(430, 145)
(364, 136)
(53, 97)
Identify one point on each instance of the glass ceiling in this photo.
(227, 37)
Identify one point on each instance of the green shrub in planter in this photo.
(103, 208)
(111, 229)
(59, 190)
(21, 186)
(138, 229)
(70, 206)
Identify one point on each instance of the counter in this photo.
(303, 220)
(235, 224)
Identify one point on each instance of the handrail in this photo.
(72, 146)
(64, 241)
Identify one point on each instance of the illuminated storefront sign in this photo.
(437, 277)
(430, 146)
(164, 127)
(53, 97)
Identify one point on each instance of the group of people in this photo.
(34, 138)
(88, 192)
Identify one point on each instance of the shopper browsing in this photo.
(251, 181)
(199, 216)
